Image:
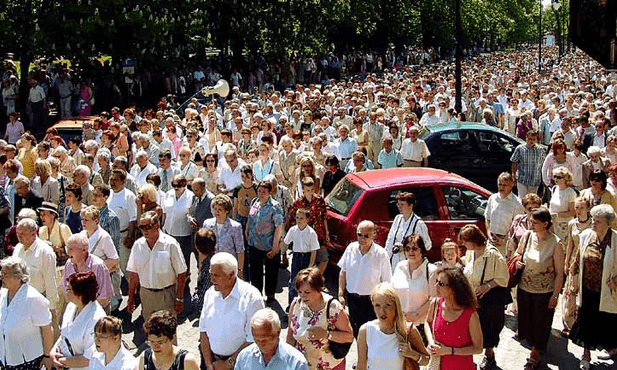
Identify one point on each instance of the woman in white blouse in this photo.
(75, 347)
(25, 320)
(187, 168)
(404, 224)
(111, 354)
(562, 202)
(414, 280)
(44, 185)
(176, 208)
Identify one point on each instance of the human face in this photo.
(385, 309)
(301, 220)
(178, 187)
(332, 168)
(404, 207)
(184, 158)
(599, 225)
(142, 161)
(263, 193)
(308, 295)
(266, 338)
(387, 146)
(596, 184)
(98, 199)
(308, 191)
(26, 236)
(537, 225)
(531, 140)
(530, 207)
(232, 160)
(505, 187)
(47, 218)
(114, 182)
(149, 230)
(160, 344)
(365, 236)
(449, 255)
(22, 189)
(221, 281)
(413, 253)
(441, 285)
(560, 180)
(582, 210)
(78, 253)
(287, 146)
(88, 223)
(220, 213)
(106, 342)
(9, 281)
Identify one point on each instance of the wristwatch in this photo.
(179, 299)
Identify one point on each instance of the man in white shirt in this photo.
(142, 168)
(156, 265)
(430, 117)
(230, 174)
(501, 209)
(364, 264)
(225, 321)
(167, 170)
(345, 145)
(414, 151)
(41, 261)
(122, 202)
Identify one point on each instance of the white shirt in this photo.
(49, 191)
(304, 240)
(101, 245)
(501, 211)
(227, 321)
(158, 267)
(123, 360)
(382, 349)
(123, 204)
(41, 261)
(414, 151)
(20, 323)
(141, 174)
(176, 213)
(79, 330)
(231, 179)
(402, 227)
(190, 171)
(364, 272)
(414, 288)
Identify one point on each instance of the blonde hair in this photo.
(387, 291)
(149, 191)
(90, 211)
(562, 171)
(44, 165)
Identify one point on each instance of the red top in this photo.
(454, 334)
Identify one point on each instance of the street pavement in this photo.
(510, 354)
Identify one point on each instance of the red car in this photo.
(445, 201)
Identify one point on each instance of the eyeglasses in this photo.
(441, 283)
(177, 186)
(410, 249)
(183, 155)
(558, 177)
(365, 236)
(146, 227)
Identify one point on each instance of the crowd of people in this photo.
(241, 186)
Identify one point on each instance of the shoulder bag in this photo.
(516, 273)
(339, 350)
(435, 361)
(497, 296)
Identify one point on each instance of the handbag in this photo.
(497, 296)
(435, 362)
(339, 350)
(408, 363)
(516, 273)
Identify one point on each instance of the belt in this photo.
(345, 159)
(220, 357)
(125, 230)
(158, 290)
(355, 295)
(302, 253)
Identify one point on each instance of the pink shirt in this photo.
(96, 265)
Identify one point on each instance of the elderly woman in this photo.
(540, 284)
(187, 168)
(404, 224)
(562, 202)
(576, 226)
(161, 352)
(75, 347)
(558, 157)
(315, 319)
(104, 159)
(110, 352)
(67, 163)
(486, 270)
(44, 185)
(596, 267)
(27, 334)
(147, 200)
(521, 223)
(384, 343)
(52, 231)
(610, 150)
(100, 243)
(27, 154)
(597, 194)
(414, 280)
(176, 208)
(228, 233)
(263, 233)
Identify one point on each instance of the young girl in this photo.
(449, 255)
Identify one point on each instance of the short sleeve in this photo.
(39, 312)
(314, 242)
(176, 257)
(289, 237)
(131, 265)
(277, 215)
(344, 261)
(516, 156)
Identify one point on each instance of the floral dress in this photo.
(569, 307)
(317, 352)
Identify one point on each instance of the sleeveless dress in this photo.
(454, 334)
(382, 353)
(177, 365)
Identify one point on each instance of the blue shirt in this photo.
(285, 358)
(390, 160)
(530, 161)
(263, 222)
(109, 221)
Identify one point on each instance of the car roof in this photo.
(75, 122)
(461, 125)
(397, 176)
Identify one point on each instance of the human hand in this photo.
(178, 306)
(405, 349)
(270, 254)
(482, 290)
(130, 305)
(612, 283)
(436, 349)
(317, 333)
(520, 265)
(341, 298)
(552, 303)
(48, 362)
(193, 223)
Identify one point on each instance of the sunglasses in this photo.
(558, 177)
(441, 283)
(366, 236)
(409, 249)
(146, 227)
(176, 186)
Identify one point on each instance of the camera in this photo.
(397, 248)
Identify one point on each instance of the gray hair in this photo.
(271, 179)
(227, 261)
(28, 213)
(80, 239)
(604, 211)
(27, 223)
(91, 145)
(83, 169)
(266, 315)
(17, 268)
(141, 154)
(594, 150)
